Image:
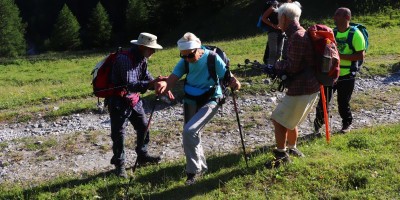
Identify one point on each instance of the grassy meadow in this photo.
(57, 84)
(360, 165)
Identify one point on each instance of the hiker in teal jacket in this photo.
(202, 98)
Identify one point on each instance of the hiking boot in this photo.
(295, 152)
(317, 129)
(192, 178)
(120, 171)
(148, 159)
(345, 129)
(280, 158)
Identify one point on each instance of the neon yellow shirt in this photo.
(343, 47)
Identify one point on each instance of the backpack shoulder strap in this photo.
(350, 37)
(127, 53)
(335, 32)
(186, 65)
(211, 66)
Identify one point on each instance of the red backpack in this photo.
(326, 54)
(102, 85)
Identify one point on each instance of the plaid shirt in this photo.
(132, 72)
(299, 63)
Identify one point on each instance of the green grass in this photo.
(63, 81)
(362, 164)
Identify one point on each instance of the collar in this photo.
(136, 53)
(293, 27)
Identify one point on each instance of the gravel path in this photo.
(18, 164)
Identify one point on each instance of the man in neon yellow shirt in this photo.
(348, 65)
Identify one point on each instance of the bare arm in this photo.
(359, 55)
(265, 16)
(162, 87)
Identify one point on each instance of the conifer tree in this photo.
(99, 27)
(65, 35)
(136, 17)
(12, 30)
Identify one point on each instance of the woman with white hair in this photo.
(202, 94)
(302, 88)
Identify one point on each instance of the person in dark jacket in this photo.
(131, 71)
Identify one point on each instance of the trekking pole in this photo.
(240, 127)
(321, 87)
(147, 129)
(145, 135)
(328, 98)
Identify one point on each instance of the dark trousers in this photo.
(281, 39)
(344, 88)
(120, 113)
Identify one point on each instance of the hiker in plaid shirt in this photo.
(302, 86)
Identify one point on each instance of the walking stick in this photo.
(145, 135)
(240, 127)
(321, 87)
(147, 129)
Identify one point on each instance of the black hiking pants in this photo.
(120, 113)
(344, 88)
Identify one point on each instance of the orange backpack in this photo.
(326, 54)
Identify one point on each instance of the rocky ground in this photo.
(79, 144)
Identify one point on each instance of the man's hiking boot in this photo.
(317, 129)
(345, 129)
(295, 152)
(120, 171)
(148, 159)
(192, 178)
(280, 158)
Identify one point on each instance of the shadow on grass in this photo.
(246, 72)
(160, 177)
(209, 183)
(33, 192)
(204, 185)
(395, 74)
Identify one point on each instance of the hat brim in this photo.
(154, 46)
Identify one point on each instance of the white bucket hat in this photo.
(148, 40)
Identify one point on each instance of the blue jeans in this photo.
(120, 112)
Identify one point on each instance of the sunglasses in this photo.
(190, 55)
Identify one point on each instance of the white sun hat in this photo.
(148, 40)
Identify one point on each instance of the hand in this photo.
(167, 98)
(234, 84)
(269, 69)
(170, 95)
(160, 87)
(161, 78)
(277, 27)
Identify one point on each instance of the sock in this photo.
(292, 146)
(281, 150)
